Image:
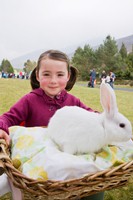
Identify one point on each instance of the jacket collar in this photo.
(58, 99)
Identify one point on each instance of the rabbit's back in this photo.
(76, 130)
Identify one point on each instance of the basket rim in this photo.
(107, 172)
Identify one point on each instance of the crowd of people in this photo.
(20, 75)
(6, 75)
(108, 78)
(105, 77)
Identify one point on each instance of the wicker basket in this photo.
(62, 190)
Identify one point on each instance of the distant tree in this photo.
(29, 66)
(77, 57)
(123, 51)
(106, 57)
(6, 66)
(83, 59)
(99, 54)
(110, 52)
(130, 60)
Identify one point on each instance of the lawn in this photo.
(13, 89)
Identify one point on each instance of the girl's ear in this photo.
(108, 99)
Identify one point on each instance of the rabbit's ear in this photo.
(108, 99)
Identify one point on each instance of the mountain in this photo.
(18, 63)
(33, 56)
(128, 42)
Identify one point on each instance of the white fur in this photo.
(77, 130)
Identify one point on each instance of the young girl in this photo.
(50, 81)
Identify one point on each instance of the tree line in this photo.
(9, 69)
(106, 57)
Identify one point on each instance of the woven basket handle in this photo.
(4, 155)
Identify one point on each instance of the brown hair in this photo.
(55, 55)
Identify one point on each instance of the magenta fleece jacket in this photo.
(36, 108)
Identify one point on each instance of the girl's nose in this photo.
(53, 79)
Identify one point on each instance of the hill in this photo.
(33, 56)
(128, 41)
(18, 63)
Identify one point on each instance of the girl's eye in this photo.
(45, 74)
(60, 74)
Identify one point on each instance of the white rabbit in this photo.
(77, 130)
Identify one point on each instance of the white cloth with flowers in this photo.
(38, 157)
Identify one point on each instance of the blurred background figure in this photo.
(90, 79)
(103, 76)
(93, 78)
(112, 79)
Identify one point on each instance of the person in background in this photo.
(93, 77)
(51, 80)
(103, 76)
(90, 79)
(112, 79)
(107, 80)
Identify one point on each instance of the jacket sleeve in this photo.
(17, 113)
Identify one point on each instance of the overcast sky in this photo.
(30, 25)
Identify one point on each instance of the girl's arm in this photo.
(17, 113)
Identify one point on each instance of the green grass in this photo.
(12, 90)
(91, 97)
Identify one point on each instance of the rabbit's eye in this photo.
(122, 125)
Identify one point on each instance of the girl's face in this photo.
(53, 76)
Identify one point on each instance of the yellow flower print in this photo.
(24, 141)
(39, 173)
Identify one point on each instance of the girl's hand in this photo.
(5, 136)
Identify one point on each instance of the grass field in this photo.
(13, 89)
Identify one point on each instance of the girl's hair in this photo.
(55, 55)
